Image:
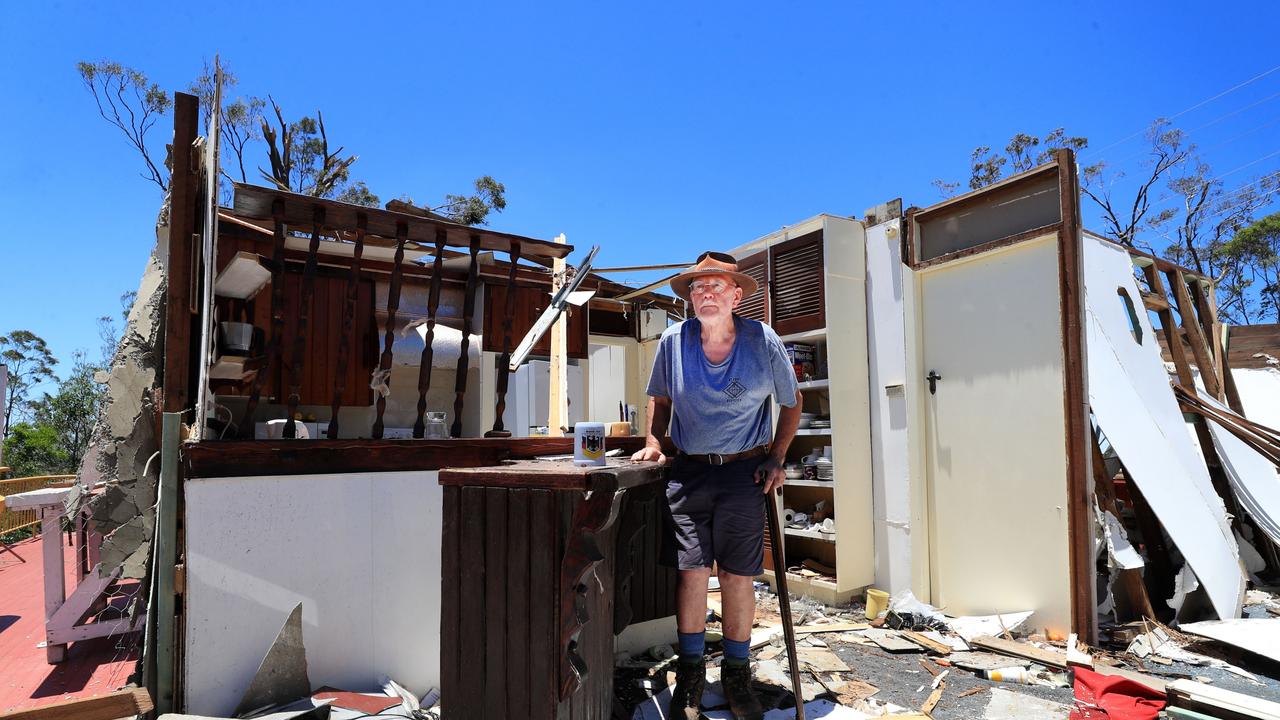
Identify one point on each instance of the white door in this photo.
(608, 381)
(995, 433)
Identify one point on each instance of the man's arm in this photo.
(659, 418)
(770, 471)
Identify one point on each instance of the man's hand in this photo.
(649, 454)
(770, 473)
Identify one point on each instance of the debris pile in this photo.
(913, 661)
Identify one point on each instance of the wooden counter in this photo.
(542, 562)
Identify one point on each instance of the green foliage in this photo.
(1022, 153)
(490, 196)
(357, 193)
(30, 363)
(1257, 247)
(131, 103)
(35, 450)
(71, 411)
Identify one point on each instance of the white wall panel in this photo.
(361, 553)
(1130, 396)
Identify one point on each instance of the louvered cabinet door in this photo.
(756, 307)
(797, 289)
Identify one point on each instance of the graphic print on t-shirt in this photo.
(735, 389)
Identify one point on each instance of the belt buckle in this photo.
(715, 458)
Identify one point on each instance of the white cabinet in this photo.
(528, 394)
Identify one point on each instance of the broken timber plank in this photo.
(925, 642)
(890, 640)
(934, 697)
(1022, 650)
(121, 704)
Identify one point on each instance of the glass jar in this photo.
(436, 428)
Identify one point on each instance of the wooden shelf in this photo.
(810, 534)
(822, 589)
(809, 335)
(815, 384)
(812, 431)
(242, 278)
(809, 483)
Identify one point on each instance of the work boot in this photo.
(686, 698)
(736, 681)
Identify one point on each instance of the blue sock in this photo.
(692, 645)
(736, 651)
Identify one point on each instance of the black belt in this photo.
(721, 459)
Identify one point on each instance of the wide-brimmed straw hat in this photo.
(713, 263)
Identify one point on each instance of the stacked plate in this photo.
(826, 469)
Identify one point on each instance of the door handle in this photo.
(933, 377)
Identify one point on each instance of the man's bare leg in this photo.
(691, 600)
(738, 603)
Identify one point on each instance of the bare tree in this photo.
(128, 101)
(1123, 221)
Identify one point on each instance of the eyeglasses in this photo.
(715, 287)
(718, 256)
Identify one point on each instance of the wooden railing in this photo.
(10, 520)
(385, 228)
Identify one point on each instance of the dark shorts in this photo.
(715, 513)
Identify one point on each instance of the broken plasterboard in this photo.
(972, 626)
(1130, 396)
(1257, 635)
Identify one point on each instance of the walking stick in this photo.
(784, 601)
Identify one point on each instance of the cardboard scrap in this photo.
(820, 660)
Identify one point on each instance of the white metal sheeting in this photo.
(1253, 477)
(1130, 396)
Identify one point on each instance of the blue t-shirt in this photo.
(722, 408)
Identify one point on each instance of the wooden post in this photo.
(272, 351)
(162, 608)
(1191, 326)
(393, 304)
(1206, 304)
(348, 326)
(558, 407)
(504, 361)
(468, 316)
(180, 268)
(428, 352)
(1084, 617)
(304, 315)
(55, 584)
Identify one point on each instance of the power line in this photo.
(1216, 120)
(1200, 104)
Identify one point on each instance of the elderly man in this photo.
(712, 381)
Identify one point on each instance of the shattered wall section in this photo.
(124, 437)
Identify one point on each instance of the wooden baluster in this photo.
(348, 326)
(272, 350)
(304, 315)
(433, 302)
(393, 304)
(468, 311)
(504, 360)
(1195, 335)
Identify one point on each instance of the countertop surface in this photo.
(559, 474)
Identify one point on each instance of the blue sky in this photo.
(654, 130)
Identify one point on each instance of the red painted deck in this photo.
(92, 667)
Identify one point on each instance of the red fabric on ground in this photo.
(1112, 697)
